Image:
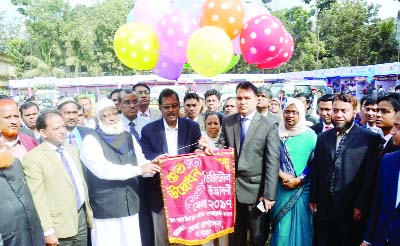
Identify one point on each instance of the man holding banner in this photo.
(170, 136)
(256, 142)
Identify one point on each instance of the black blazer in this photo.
(19, 221)
(358, 162)
(154, 143)
(317, 128)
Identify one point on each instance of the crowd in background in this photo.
(87, 173)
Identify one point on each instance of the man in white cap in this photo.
(113, 169)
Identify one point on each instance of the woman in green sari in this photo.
(291, 217)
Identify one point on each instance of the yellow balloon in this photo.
(209, 51)
(136, 46)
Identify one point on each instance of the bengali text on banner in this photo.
(199, 196)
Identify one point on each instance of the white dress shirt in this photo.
(248, 121)
(171, 135)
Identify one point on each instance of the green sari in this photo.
(290, 216)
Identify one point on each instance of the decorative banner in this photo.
(199, 196)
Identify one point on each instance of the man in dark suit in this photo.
(170, 136)
(325, 113)
(256, 142)
(19, 221)
(384, 222)
(388, 106)
(342, 177)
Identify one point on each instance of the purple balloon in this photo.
(167, 68)
(236, 45)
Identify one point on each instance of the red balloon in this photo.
(261, 39)
(284, 54)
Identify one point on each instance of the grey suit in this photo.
(257, 166)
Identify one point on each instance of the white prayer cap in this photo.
(64, 101)
(102, 104)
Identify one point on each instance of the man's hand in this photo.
(208, 150)
(150, 168)
(313, 206)
(357, 215)
(267, 203)
(365, 244)
(51, 240)
(203, 142)
(157, 159)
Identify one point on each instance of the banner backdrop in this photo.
(199, 196)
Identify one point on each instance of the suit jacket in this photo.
(317, 128)
(27, 141)
(390, 147)
(273, 117)
(154, 143)
(52, 190)
(384, 220)
(19, 221)
(358, 162)
(155, 114)
(257, 164)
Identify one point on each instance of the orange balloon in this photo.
(225, 14)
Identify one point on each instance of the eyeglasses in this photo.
(108, 115)
(143, 93)
(171, 106)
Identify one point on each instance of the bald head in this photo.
(9, 119)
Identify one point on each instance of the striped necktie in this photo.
(133, 131)
(68, 169)
(338, 150)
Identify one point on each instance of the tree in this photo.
(383, 43)
(8, 31)
(345, 31)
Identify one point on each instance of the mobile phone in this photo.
(261, 207)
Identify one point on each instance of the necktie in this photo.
(143, 114)
(72, 139)
(64, 161)
(338, 150)
(243, 131)
(327, 127)
(133, 131)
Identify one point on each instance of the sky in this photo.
(389, 8)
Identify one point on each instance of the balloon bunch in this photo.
(210, 35)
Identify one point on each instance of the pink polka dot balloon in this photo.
(174, 31)
(284, 54)
(261, 39)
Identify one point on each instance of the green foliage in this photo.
(66, 41)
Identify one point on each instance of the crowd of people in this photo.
(88, 173)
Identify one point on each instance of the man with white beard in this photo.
(113, 167)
